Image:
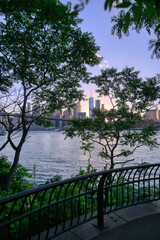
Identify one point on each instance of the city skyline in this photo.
(60, 118)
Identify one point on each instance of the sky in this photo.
(131, 51)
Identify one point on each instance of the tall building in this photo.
(152, 114)
(57, 114)
(36, 109)
(78, 107)
(97, 104)
(82, 115)
(76, 110)
(68, 114)
(125, 106)
(29, 108)
(91, 106)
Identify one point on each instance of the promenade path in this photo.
(140, 222)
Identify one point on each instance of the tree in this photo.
(114, 130)
(135, 15)
(44, 58)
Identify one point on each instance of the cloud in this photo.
(99, 56)
(114, 4)
(104, 64)
(101, 65)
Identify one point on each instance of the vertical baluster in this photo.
(128, 186)
(40, 215)
(92, 200)
(48, 222)
(159, 186)
(149, 181)
(30, 227)
(22, 210)
(10, 216)
(64, 205)
(100, 222)
(73, 207)
(117, 192)
(123, 182)
(57, 208)
(155, 173)
(86, 198)
(133, 191)
(144, 184)
(139, 183)
(79, 202)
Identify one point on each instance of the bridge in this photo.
(33, 116)
(48, 211)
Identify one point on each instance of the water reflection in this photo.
(53, 155)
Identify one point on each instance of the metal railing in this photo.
(49, 210)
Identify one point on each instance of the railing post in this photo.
(100, 220)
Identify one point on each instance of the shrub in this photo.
(20, 180)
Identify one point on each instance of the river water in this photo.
(52, 155)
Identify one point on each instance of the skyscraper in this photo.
(97, 104)
(82, 115)
(102, 107)
(76, 110)
(91, 106)
(78, 107)
(36, 109)
(29, 108)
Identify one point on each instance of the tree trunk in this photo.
(109, 181)
(112, 161)
(12, 170)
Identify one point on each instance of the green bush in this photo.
(20, 180)
(56, 178)
(88, 170)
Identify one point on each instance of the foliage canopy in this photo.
(44, 57)
(115, 129)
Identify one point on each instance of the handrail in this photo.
(49, 210)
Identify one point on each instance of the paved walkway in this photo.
(141, 222)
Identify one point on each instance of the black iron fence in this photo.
(49, 210)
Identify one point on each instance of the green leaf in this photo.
(137, 11)
(127, 21)
(124, 5)
(108, 4)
